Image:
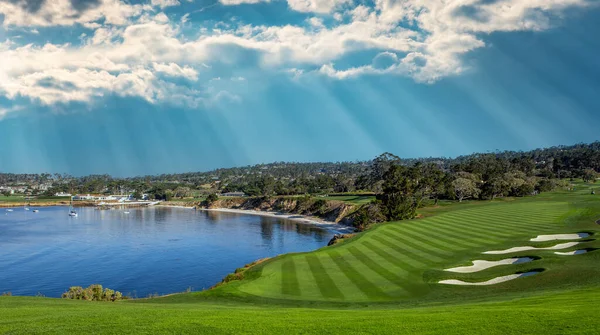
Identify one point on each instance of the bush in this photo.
(367, 215)
(319, 207)
(212, 198)
(92, 293)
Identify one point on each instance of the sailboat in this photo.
(72, 211)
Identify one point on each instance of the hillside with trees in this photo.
(400, 185)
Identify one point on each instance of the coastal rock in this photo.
(338, 237)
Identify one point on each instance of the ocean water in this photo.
(148, 251)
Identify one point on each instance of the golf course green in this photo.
(384, 280)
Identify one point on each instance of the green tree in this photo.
(211, 198)
(589, 175)
(464, 188)
(398, 200)
(137, 195)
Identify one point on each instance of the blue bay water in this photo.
(150, 250)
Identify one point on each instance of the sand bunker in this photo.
(516, 249)
(482, 265)
(491, 281)
(574, 252)
(543, 238)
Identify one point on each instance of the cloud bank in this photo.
(137, 50)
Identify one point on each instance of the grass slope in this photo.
(382, 281)
(404, 260)
(567, 312)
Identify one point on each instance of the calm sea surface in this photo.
(149, 250)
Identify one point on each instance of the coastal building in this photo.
(7, 188)
(84, 197)
(62, 194)
(122, 197)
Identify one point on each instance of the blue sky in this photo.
(160, 86)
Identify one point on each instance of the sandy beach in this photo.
(330, 226)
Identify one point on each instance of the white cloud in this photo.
(316, 6)
(146, 56)
(240, 2)
(164, 3)
(161, 17)
(63, 13)
(175, 70)
(185, 18)
(316, 22)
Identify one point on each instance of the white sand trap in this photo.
(482, 265)
(491, 281)
(543, 238)
(574, 252)
(517, 249)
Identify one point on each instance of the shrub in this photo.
(319, 207)
(367, 215)
(93, 293)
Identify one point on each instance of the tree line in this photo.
(394, 180)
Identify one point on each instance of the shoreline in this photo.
(174, 206)
(327, 225)
(311, 220)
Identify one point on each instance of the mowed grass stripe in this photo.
(468, 240)
(491, 224)
(425, 241)
(498, 221)
(512, 221)
(479, 239)
(326, 286)
(435, 238)
(412, 252)
(544, 211)
(380, 270)
(418, 244)
(289, 280)
(363, 284)
(474, 230)
(431, 227)
(537, 222)
(389, 257)
(306, 280)
(547, 214)
(420, 256)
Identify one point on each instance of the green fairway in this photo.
(403, 260)
(385, 280)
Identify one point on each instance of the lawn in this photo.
(21, 199)
(384, 280)
(352, 199)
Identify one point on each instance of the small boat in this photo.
(72, 211)
(36, 210)
(9, 210)
(26, 208)
(125, 212)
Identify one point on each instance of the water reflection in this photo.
(149, 250)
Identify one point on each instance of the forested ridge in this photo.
(476, 176)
